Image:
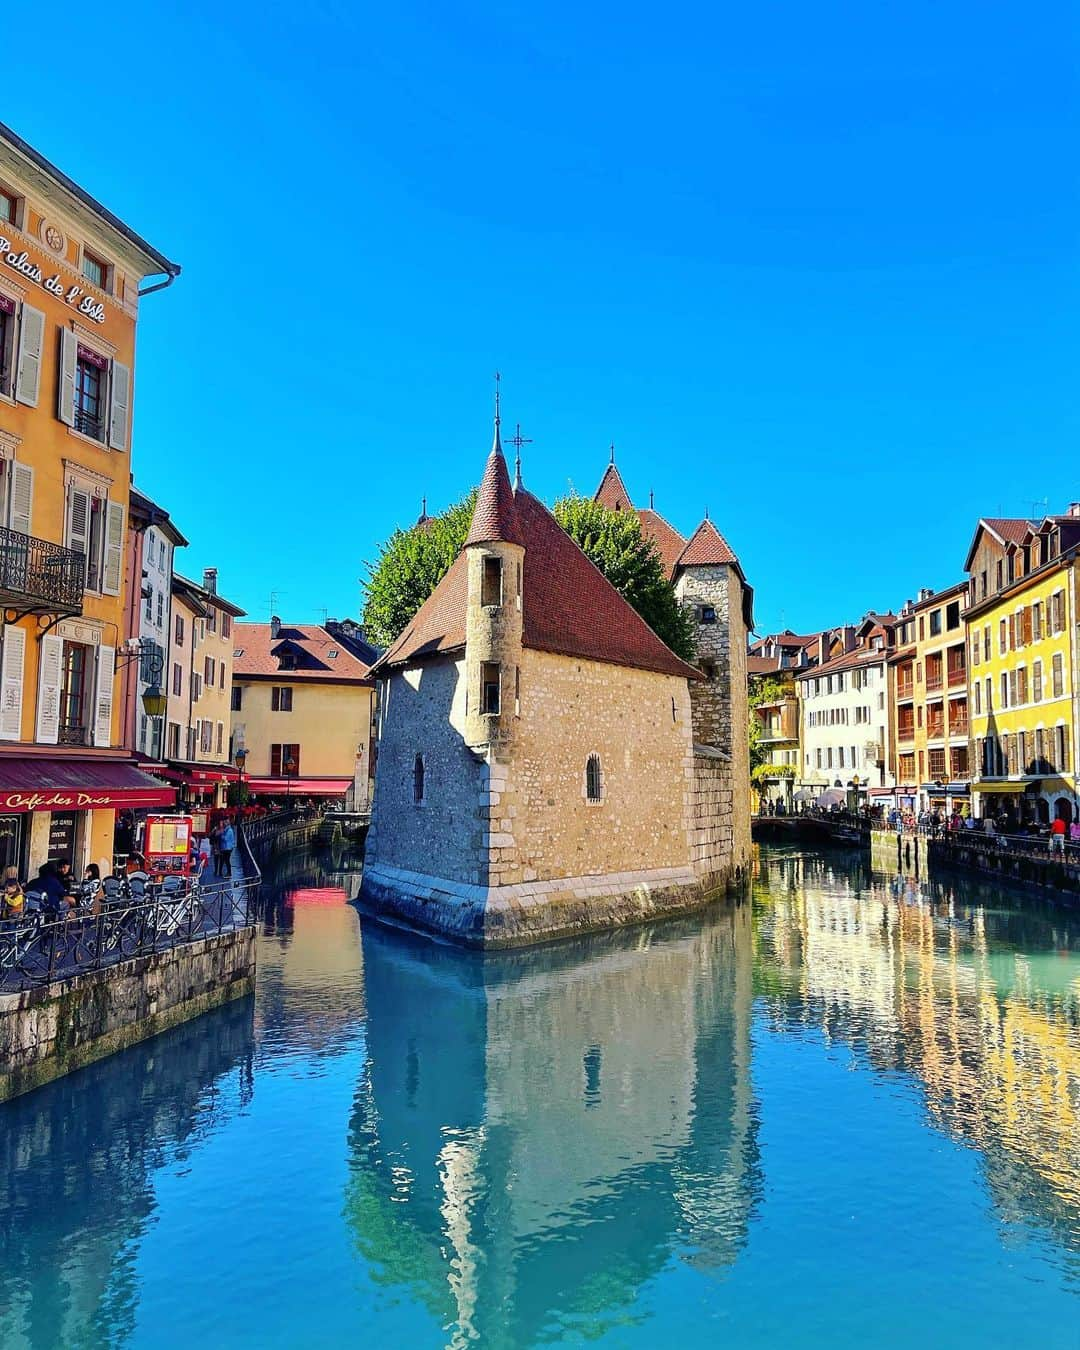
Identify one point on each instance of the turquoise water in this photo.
(845, 1114)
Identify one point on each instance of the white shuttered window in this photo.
(31, 342)
(50, 675)
(103, 697)
(12, 663)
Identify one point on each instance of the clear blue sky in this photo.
(813, 266)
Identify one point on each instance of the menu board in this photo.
(168, 836)
(63, 827)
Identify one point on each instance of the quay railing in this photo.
(36, 951)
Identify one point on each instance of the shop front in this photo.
(297, 790)
(68, 808)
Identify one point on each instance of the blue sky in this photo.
(811, 266)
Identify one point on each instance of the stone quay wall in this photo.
(54, 1029)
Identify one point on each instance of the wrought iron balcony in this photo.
(39, 577)
(71, 733)
(90, 424)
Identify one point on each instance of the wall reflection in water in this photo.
(78, 1159)
(980, 1002)
(536, 1134)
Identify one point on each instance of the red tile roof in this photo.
(493, 516)
(1011, 531)
(254, 654)
(763, 665)
(669, 542)
(569, 607)
(707, 547)
(612, 491)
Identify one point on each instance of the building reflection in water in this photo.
(78, 1160)
(980, 1003)
(536, 1134)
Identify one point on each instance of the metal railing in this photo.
(1038, 846)
(37, 570)
(36, 951)
(90, 424)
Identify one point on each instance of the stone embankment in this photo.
(50, 1030)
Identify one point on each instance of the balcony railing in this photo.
(905, 733)
(959, 727)
(89, 424)
(933, 681)
(71, 734)
(36, 575)
(957, 677)
(906, 690)
(934, 728)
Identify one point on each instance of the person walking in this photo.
(226, 844)
(1057, 837)
(215, 847)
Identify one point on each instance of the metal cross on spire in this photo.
(612, 451)
(517, 440)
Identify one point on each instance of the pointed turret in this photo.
(707, 548)
(493, 519)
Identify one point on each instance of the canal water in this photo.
(844, 1113)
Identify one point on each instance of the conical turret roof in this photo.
(494, 518)
(707, 547)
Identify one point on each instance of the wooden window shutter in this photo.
(119, 405)
(275, 699)
(21, 500)
(1012, 631)
(1027, 624)
(12, 662)
(1012, 687)
(113, 570)
(275, 761)
(50, 673)
(28, 368)
(78, 532)
(103, 698)
(65, 392)
(1036, 682)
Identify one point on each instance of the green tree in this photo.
(768, 690)
(410, 565)
(413, 562)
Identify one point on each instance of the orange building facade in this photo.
(71, 277)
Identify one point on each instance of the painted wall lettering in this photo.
(73, 295)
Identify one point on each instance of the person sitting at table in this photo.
(55, 898)
(13, 901)
(136, 875)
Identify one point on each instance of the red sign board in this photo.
(68, 799)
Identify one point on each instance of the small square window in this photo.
(95, 271)
(708, 614)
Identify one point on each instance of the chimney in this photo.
(925, 594)
(849, 637)
(1074, 508)
(275, 626)
(209, 580)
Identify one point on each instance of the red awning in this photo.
(77, 785)
(200, 777)
(301, 787)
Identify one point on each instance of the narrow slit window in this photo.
(418, 779)
(517, 691)
(491, 585)
(594, 779)
(489, 687)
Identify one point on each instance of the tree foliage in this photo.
(768, 690)
(412, 563)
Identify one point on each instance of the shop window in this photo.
(489, 687)
(491, 582)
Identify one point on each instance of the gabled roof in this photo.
(494, 520)
(140, 507)
(707, 547)
(568, 607)
(612, 491)
(256, 652)
(1006, 530)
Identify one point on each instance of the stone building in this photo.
(546, 764)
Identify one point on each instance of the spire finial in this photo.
(496, 443)
(706, 513)
(650, 499)
(517, 440)
(612, 453)
(423, 506)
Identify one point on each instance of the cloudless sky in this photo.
(812, 266)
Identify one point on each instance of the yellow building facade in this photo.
(928, 690)
(1022, 667)
(303, 709)
(71, 278)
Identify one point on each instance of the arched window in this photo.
(594, 779)
(418, 779)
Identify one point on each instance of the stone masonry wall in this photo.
(638, 722)
(720, 712)
(52, 1030)
(443, 835)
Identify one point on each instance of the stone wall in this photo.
(49, 1031)
(638, 722)
(423, 713)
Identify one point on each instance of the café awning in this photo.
(300, 787)
(77, 785)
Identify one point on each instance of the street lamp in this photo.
(290, 769)
(240, 759)
(855, 781)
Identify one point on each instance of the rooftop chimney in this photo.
(209, 580)
(1074, 508)
(925, 594)
(275, 626)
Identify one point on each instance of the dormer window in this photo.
(491, 582)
